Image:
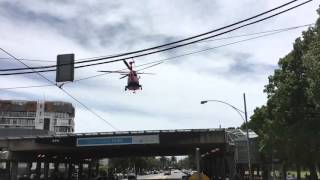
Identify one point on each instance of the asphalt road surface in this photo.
(174, 175)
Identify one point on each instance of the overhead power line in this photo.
(50, 61)
(230, 37)
(63, 90)
(154, 63)
(26, 87)
(168, 44)
(34, 60)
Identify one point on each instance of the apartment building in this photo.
(55, 116)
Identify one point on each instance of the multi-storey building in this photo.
(55, 116)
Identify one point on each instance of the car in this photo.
(290, 177)
(25, 177)
(101, 178)
(167, 172)
(186, 177)
(132, 176)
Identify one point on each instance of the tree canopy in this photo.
(289, 124)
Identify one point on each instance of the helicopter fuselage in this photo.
(133, 82)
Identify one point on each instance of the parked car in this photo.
(185, 177)
(25, 177)
(168, 172)
(132, 176)
(101, 178)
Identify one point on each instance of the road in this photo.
(175, 175)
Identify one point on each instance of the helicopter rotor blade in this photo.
(128, 66)
(150, 66)
(114, 72)
(146, 73)
(123, 76)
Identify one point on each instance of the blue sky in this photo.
(171, 98)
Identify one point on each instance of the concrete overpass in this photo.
(86, 148)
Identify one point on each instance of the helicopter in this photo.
(133, 78)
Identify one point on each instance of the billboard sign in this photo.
(118, 140)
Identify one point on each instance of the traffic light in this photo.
(65, 68)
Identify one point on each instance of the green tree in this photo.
(288, 125)
(136, 163)
(164, 162)
(173, 161)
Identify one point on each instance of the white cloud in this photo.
(171, 98)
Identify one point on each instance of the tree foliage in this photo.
(289, 124)
(134, 163)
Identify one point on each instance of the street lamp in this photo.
(245, 119)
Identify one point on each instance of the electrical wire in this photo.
(217, 39)
(26, 87)
(35, 60)
(63, 90)
(261, 32)
(243, 35)
(50, 61)
(168, 44)
(154, 63)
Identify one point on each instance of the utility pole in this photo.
(198, 162)
(245, 119)
(248, 139)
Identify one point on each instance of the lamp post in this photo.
(245, 119)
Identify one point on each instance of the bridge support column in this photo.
(212, 167)
(55, 173)
(207, 166)
(70, 167)
(14, 170)
(65, 173)
(46, 170)
(231, 165)
(38, 170)
(223, 166)
(220, 167)
(89, 170)
(97, 168)
(28, 169)
(8, 169)
(80, 171)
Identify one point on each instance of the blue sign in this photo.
(118, 140)
(103, 141)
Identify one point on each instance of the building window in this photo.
(62, 129)
(46, 125)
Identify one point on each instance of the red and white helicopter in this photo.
(133, 78)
